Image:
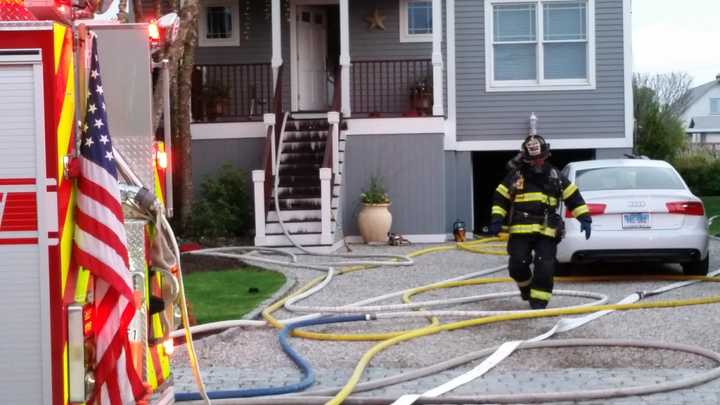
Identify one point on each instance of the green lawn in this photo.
(224, 295)
(712, 208)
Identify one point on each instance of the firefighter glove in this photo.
(585, 226)
(495, 226)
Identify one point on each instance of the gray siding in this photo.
(208, 155)
(458, 190)
(378, 44)
(413, 170)
(562, 114)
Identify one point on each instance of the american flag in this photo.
(101, 247)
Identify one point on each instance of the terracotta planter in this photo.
(374, 221)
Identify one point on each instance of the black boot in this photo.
(538, 304)
(525, 293)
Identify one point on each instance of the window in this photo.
(539, 45)
(415, 20)
(628, 178)
(219, 24)
(715, 106)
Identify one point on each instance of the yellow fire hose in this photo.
(473, 246)
(433, 329)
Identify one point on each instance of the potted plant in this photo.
(216, 97)
(421, 97)
(374, 218)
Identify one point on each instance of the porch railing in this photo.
(392, 87)
(232, 92)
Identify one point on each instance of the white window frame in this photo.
(405, 35)
(717, 101)
(234, 39)
(541, 84)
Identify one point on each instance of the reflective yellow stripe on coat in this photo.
(533, 228)
(536, 197)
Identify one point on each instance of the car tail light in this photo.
(594, 209)
(686, 208)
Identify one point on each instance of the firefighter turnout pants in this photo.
(535, 285)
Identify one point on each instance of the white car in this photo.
(641, 210)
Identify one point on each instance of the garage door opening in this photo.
(489, 170)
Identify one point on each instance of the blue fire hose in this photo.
(305, 368)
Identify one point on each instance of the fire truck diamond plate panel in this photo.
(128, 94)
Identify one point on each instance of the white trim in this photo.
(701, 130)
(437, 58)
(572, 143)
(276, 26)
(345, 57)
(228, 130)
(388, 126)
(403, 24)
(540, 84)
(326, 236)
(451, 123)
(258, 178)
(627, 54)
(234, 39)
(42, 229)
(12, 56)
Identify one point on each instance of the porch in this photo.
(362, 49)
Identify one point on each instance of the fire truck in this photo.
(47, 337)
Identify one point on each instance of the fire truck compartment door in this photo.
(24, 268)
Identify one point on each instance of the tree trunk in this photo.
(183, 140)
(180, 55)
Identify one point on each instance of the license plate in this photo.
(636, 220)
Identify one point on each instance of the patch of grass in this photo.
(712, 208)
(223, 295)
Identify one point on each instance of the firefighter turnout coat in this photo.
(528, 201)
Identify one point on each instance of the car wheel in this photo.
(698, 268)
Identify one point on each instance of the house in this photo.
(432, 95)
(702, 115)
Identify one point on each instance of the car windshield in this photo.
(628, 178)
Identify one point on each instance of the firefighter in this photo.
(527, 200)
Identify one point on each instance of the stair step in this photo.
(306, 125)
(299, 181)
(301, 158)
(295, 228)
(293, 215)
(303, 147)
(299, 192)
(297, 203)
(310, 239)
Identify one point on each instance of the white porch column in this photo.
(334, 121)
(345, 57)
(437, 57)
(258, 177)
(276, 60)
(325, 206)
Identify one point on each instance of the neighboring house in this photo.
(435, 96)
(702, 115)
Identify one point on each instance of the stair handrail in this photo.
(271, 140)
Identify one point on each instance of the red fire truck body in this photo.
(46, 342)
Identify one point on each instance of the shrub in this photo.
(701, 171)
(223, 206)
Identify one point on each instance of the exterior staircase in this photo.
(301, 151)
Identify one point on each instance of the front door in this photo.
(312, 57)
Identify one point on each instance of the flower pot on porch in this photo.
(374, 221)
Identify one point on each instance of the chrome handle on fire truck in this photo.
(76, 354)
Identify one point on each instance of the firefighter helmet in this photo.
(534, 147)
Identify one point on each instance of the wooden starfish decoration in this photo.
(376, 20)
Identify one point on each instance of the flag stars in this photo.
(99, 89)
(92, 108)
(109, 155)
(104, 139)
(98, 124)
(89, 142)
(94, 74)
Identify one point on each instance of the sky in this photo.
(677, 36)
